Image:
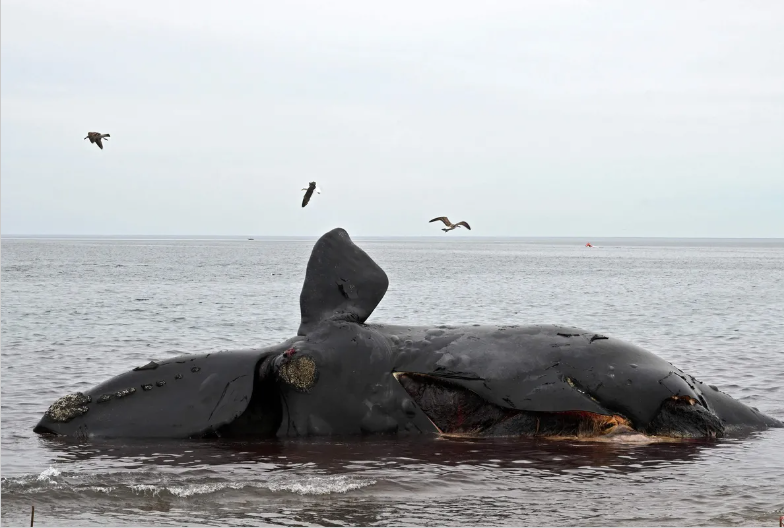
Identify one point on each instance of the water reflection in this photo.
(336, 454)
(365, 481)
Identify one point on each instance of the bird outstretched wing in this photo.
(98, 142)
(464, 223)
(443, 219)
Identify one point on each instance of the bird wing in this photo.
(464, 223)
(98, 141)
(443, 219)
(306, 199)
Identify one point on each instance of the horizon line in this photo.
(587, 237)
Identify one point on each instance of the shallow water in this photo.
(76, 312)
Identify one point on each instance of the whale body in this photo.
(343, 376)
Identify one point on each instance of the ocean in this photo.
(77, 311)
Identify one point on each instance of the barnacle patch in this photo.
(178, 376)
(69, 407)
(147, 386)
(195, 369)
(104, 398)
(299, 372)
(125, 392)
(160, 383)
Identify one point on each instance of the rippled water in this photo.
(76, 312)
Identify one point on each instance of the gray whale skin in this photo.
(342, 376)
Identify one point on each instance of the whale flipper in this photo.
(341, 281)
(189, 396)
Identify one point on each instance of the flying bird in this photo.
(96, 137)
(309, 192)
(449, 225)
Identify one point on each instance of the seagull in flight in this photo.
(449, 225)
(309, 192)
(96, 137)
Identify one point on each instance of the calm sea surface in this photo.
(78, 311)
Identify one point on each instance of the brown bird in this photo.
(309, 192)
(449, 225)
(96, 137)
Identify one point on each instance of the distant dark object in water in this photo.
(250, 239)
(96, 137)
(449, 225)
(340, 376)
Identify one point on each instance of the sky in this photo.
(524, 118)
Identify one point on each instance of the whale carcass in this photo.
(343, 376)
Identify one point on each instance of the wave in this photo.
(123, 483)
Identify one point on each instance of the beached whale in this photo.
(342, 376)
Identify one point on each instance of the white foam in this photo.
(144, 488)
(201, 489)
(47, 474)
(319, 485)
(300, 485)
(102, 489)
(184, 491)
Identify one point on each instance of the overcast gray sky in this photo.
(530, 118)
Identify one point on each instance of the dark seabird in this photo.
(309, 192)
(449, 225)
(96, 137)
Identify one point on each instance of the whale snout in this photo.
(59, 417)
(45, 428)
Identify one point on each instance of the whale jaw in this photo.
(457, 411)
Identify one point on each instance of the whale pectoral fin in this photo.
(341, 281)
